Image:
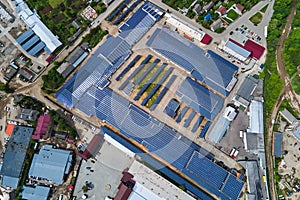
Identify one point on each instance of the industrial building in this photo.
(205, 66)
(73, 60)
(35, 193)
(188, 32)
(277, 144)
(244, 94)
(92, 149)
(14, 156)
(87, 91)
(249, 49)
(50, 165)
(43, 127)
(31, 43)
(41, 32)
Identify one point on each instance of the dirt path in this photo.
(287, 91)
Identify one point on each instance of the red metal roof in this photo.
(206, 39)
(123, 192)
(91, 148)
(42, 126)
(255, 49)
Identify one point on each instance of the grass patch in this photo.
(256, 19)
(263, 10)
(232, 14)
(178, 3)
(55, 3)
(139, 74)
(296, 84)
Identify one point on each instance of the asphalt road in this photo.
(287, 89)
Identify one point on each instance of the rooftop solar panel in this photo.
(200, 98)
(203, 65)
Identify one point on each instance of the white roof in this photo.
(236, 51)
(39, 28)
(256, 120)
(141, 193)
(156, 183)
(194, 33)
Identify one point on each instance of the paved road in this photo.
(286, 90)
(244, 19)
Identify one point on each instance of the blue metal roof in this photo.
(277, 145)
(37, 48)
(25, 36)
(14, 155)
(50, 164)
(200, 98)
(148, 131)
(30, 43)
(172, 107)
(206, 67)
(239, 50)
(37, 193)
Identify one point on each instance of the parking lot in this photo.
(103, 175)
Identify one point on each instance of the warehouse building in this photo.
(35, 193)
(15, 155)
(50, 165)
(41, 32)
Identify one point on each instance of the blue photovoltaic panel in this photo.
(156, 87)
(204, 129)
(198, 165)
(30, 43)
(197, 124)
(200, 98)
(136, 71)
(181, 114)
(124, 15)
(129, 66)
(146, 72)
(150, 81)
(233, 187)
(172, 107)
(189, 119)
(37, 48)
(141, 127)
(118, 10)
(201, 64)
(163, 92)
(25, 36)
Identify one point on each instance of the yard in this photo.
(232, 14)
(58, 15)
(256, 19)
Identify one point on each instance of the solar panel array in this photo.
(200, 98)
(181, 114)
(143, 128)
(129, 66)
(157, 86)
(163, 92)
(172, 107)
(146, 72)
(125, 14)
(206, 67)
(189, 119)
(118, 10)
(197, 124)
(108, 57)
(150, 81)
(205, 129)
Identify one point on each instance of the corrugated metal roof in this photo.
(256, 120)
(277, 145)
(237, 49)
(15, 154)
(50, 164)
(37, 193)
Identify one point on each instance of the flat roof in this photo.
(200, 98)
(9, 129)
(37, 193)
(256, 118)
(206, 66)
(14, 155)
(247, 88)
(157, 183)
(51, 164)
(277, 144)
